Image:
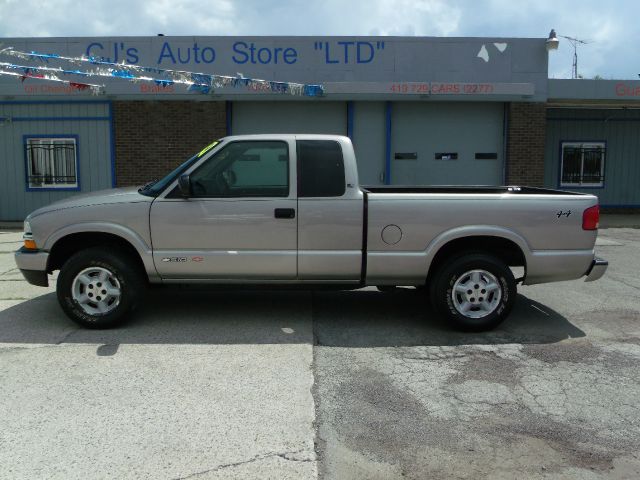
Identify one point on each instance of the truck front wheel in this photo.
(475, 292)
(98, 287)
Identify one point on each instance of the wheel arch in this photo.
(499, 242)
(69, 240)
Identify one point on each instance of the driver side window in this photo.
(244, 169)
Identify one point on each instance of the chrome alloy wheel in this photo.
(476, 293)
(97, 290)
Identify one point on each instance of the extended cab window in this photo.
(244, 169)
(320, 169)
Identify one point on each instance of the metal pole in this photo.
(574, 43)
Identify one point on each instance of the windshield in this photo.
(154, 188)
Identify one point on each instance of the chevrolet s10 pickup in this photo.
(288, 210)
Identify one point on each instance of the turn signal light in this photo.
(30, 244)
(591, 218)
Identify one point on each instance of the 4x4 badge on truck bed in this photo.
(563, 214)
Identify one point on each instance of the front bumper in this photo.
(596, 270)
(33, 266)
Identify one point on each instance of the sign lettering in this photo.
(626, 90)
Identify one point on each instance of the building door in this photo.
(438, 143)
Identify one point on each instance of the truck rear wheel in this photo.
(475, 292)
(98, 288)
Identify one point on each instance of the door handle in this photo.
(285, 213)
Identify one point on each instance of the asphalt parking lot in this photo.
(258, 384)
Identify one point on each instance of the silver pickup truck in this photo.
(288, 209)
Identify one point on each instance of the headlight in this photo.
(26, 228)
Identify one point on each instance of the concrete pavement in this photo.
(257, 384)
(201, 385)
(553, 393)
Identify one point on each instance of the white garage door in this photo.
(447, 143)
(289, 117)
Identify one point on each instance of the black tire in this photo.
(490, 310)
(125, 274)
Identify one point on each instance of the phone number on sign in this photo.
(417, 88)
(442, 88)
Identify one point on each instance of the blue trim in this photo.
(49, 119)
(26, 164)
(229, 115)
(387, 146)
(112, 141)
(350, 111)
(559, 185)
(49, 102)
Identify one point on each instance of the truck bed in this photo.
(546, 225)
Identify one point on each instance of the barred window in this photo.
(52, 162)
(582, 164)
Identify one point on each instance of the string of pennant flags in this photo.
(203, 83)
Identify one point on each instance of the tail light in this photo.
(591, 218)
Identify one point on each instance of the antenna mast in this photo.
(574, 42)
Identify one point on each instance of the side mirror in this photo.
(184, 184)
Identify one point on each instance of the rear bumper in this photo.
(597, 269)
(33, 266)
(545, 266)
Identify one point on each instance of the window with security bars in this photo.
(52, 162)
(582, 164)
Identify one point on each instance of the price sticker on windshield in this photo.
(207, 148)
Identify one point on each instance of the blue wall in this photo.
(619, 129)
(89, 122)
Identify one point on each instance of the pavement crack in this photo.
(619, 280)
(66, 336)
(318, 441)
(284, 455)
(14, 269)
(291, 457)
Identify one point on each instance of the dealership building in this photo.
(419, 110)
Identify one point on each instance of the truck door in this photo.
(330, 204)
(239, 223)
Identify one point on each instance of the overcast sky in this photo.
(612, 27)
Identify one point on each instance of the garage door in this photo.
(289, 117)
(446, 143)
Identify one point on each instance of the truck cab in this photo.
(266, 207)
